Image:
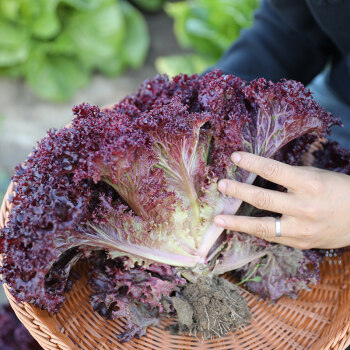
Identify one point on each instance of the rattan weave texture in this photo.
(317, 320)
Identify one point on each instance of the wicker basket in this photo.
(317, 320)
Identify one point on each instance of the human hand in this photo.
(315, 210)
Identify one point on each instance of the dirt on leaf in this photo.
(210, 307)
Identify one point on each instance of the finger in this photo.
(278, 202)
(291, 177)
(264, 227)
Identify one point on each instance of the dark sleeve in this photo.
(283, 42)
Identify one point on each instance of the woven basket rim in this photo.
(44, 328)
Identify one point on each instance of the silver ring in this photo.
(278, 227)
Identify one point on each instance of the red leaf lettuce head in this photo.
(139, 179)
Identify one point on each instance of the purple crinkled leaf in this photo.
(283, 271)
(271, 270)
(121, 289)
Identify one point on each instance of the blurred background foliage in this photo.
(3, 176)
(207, 27)
(149, 5)
(56, 45)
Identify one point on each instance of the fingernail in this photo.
(236, 157)
(222, 186)
(220, 222)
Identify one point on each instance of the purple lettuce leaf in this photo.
(121, 289)
(332, 157)
(270, 270)
(282, 271)
(241, 249)
(48, 207)
(282, 112)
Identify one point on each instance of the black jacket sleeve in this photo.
(284, 42)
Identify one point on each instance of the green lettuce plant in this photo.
(207, 27)
(55, 45)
